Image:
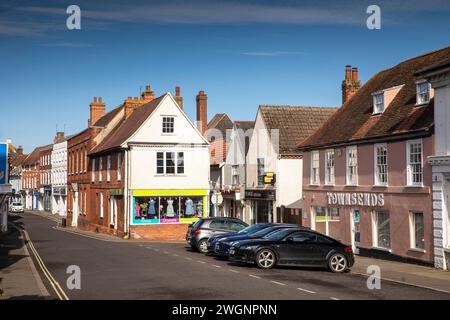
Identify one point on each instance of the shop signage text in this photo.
(363, 199)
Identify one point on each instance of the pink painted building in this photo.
(366, 180)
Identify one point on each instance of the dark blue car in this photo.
(211, 243)
(224, 244)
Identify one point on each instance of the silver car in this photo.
(199, 232)
(16, 207)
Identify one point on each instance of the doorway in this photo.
(356, 231)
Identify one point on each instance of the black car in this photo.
(302, 247)
(222, 245)
(205, 228)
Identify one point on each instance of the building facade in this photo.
(59, 175)
(439, 78)
(45, 190)
(150, 176)
(366, 180)
(273, 188)
(31, 180)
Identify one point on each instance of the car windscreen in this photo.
(252, 229)
(16, 204)
(264, 232)
(279, 235)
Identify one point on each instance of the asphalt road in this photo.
(152, 271)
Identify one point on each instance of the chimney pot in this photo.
(100, 99)
(347, 72)
(354, 74)
(177, 91)
(95, 99)
(351, 84)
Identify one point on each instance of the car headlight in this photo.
(247, 247)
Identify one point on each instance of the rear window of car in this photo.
(197, 224)
(17, 204)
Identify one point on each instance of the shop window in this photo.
(417, 233)
(352, 165)
(168, 124)
(329, 167)
(414, 164)
(315, 166)
(382, 236)
(381, 168)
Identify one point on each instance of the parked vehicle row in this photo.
(267, 245)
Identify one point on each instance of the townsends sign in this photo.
(355, 199)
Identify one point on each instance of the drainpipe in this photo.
(125, 199)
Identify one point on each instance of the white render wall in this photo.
(442, 119)
(289, 183)
(59, 164)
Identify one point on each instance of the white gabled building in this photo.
(59, 175)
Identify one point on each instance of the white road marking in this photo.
(279, 283)
(201, 261)
(333, 298)
(233, 271)
(308, 291)
(256, 277)
(175, 255)
(215, 265)
(165, 252)
(187, 258)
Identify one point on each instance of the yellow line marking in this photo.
(55, 285)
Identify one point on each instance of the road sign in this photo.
(217, 198)
(3, 163)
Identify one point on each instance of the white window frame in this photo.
(108, 168)
(100, 168)
(376, 108)
(377, 181)
(349, 150)
(119, 167)
(375, 243)
(409, 173)
(412, 230)
(315, 177)
(101, 205)
(419, 94)
(93, 170)
(165, 122)
(176, 164)
(330, 176)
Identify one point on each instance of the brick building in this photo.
(45, 177)
(365, 178)
(31, 180)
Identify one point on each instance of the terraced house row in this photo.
(373, 172)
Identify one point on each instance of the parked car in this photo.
(199, 232)
(16, 207)
(300, 247)
(224, 244)
(211, 243)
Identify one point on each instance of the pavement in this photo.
(125, 269)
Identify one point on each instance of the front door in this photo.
(355, 227)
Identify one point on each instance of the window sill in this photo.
(414, 186)
(380, 186)
(314, 184)
(382, 249)
(422, 104)
(417, 250)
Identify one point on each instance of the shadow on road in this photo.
(10, 241)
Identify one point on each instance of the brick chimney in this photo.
(148, 95)
(98, 110)
(350, 84)
(178, 98)
(59, 137)
(19, 150)
(202, 111)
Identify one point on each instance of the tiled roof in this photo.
(244, 125)
(354, 120)
(103, 121)
(294, 123)
(221, 122)
(127, 127)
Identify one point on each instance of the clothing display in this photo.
(170, 209)
(151, 207)
(138, 210)
(189, 207)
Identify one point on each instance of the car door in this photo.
(320, 248)
(218, 226)
(296, 248)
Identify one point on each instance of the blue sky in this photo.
(242, 53)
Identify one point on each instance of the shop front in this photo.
(261, 205)
(394, 225)
(165, 214)
(59, 196)
(47, 198)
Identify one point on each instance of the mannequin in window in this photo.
(189, 207)
(151, 207)
(170, 209)
(138, 210)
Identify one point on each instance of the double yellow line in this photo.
(55, 285)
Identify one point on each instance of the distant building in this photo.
(59, 175)
(15, 176)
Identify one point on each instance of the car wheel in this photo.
(337, 263)
(265, 259)
(202, 246)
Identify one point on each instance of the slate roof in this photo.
(354, 120)
(221, 122)
(295, 123)
(127, 127)
(244, 125)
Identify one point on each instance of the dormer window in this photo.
(423, 92)
(378, 103)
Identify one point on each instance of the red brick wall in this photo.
(160, 232)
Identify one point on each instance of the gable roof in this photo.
(294, 123)
(244, 125)
(127, 127)
(354, 120)
(108, 117)
(221, 122)
(34, 156)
